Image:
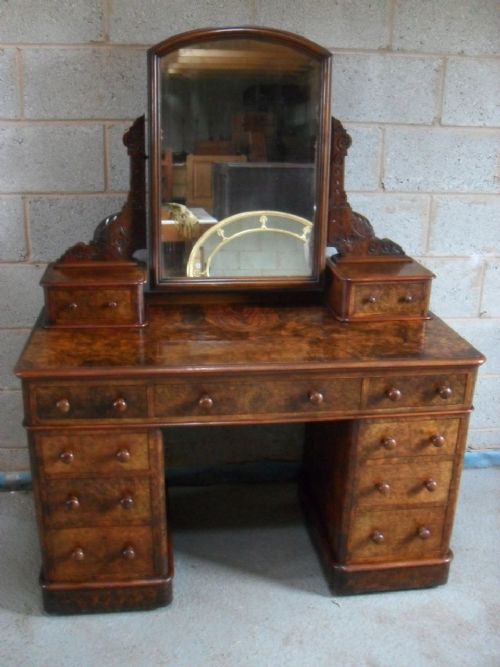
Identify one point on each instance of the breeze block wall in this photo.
(417, 84)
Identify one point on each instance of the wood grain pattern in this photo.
(407, 482)
(378, 289)
(103, 554)
(92, 452)
(408, 437)
(401, 540)
(97, 502)
(180, 338)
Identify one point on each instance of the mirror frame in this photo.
(323, 56)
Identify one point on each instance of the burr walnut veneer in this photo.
(386, 407)
(385, 388)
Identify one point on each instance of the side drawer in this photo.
(202, 399)
(400, 391)
(94, 452)
(76, 502)
(67, 402)
(398, 535)
(413, 482)
(73, 307)
(401, 299)
(386, 438)
(83, 554)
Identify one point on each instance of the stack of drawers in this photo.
(403, 482)
(381, 491)
(101, 507)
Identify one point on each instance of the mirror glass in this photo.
(239, 125)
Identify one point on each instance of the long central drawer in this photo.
(202, 399)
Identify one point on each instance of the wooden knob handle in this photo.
(67, 456)
(73, 306)
(128, 552)
(78, 554)
(206, 402)
(127, 502)
(445, 391)
(123, 455)
(63, 405)
(112, 304)
(120, 405)
(394, 394)
(316, 397)
(383, 487)
(408, 298)
(371, 299)
(377, 537)
(72, 503)
(424, 533)
(438, 440)
(430, 485)
(389, 443)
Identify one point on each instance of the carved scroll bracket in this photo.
(349, 232)
(120, 235)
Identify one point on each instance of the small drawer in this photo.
(56, 403)
(387, 438)
(96, 502)
(95, 294)
(202, 400)
(378, 289)
(83, 554)
(398, 483)
(96, 452)
(76, 307)
(399, 535)
(422, 391)
(401, 300)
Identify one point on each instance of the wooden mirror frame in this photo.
(323, 56)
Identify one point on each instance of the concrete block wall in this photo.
(416, 83)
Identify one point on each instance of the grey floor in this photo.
(249, 593)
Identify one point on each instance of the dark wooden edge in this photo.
(374, 577)
(322, 162)
(242, 32)
(101, 598)
(346, 580)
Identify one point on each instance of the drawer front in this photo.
(84, 306)
(395, 482)
(400, 391)
(386, 438)
(201, 400)
(388, 299)
(96, 502)
(101, 452)
(63, 403)
(83, 554)
(389, 536)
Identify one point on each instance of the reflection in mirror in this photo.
(239, 125)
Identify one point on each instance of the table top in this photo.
(231, 338)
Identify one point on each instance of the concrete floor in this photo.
(249, 592)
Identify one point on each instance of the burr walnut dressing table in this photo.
(266, 328)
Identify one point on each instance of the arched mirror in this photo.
(239, 129)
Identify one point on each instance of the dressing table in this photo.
(266, 326)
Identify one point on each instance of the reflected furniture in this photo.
(347, 346)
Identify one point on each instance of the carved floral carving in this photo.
(350, 232)
(119, 235)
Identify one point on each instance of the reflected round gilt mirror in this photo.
(239, 150)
